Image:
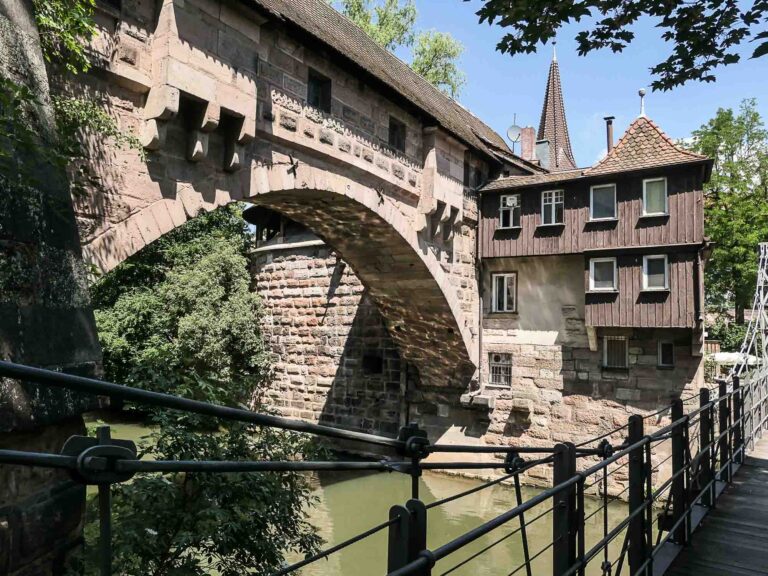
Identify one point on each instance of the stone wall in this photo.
(45, 320)
(333, 359)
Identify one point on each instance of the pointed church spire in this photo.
(552, 125)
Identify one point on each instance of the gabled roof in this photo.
(644, 145)
(553, 125)
(323, 22)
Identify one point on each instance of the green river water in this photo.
(349, 503)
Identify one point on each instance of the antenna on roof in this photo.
(514, 132)
(641, 93)
(554, 51)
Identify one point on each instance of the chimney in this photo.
(542, 153)
(527, 143)
(609, 132)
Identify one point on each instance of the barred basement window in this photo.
(501, 370)
(615, 352)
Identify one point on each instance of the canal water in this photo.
(350, 504)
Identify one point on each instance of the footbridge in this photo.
(694, 491)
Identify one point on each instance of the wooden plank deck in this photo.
(733, 538)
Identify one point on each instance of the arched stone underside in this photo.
(371, 228)
(411, 300)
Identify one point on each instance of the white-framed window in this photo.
(552, 211)
(500, 370)
(615, 352)
(603, 275)
(504, 292)
(602, 202)
(666, 353)
(655, 272)
(655, 197)
(509, 211)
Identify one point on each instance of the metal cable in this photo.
(497, 541)
(333, 549)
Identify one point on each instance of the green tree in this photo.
(435, 57)
(736, 203)
(180, 317)
(703, 34)
(66, 27)
(392, 24)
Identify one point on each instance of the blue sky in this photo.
(594, 86)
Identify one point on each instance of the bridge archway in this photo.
(370, 229)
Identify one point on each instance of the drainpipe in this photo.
(479, 273)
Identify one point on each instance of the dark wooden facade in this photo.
(683, 225)
(631, 306)
(679, 235)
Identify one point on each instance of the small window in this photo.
(500, 370)
(602, 274)
(655, 276)
(477, 177)
(373, 364)
(602, 202)
(509, 211)
(505, 292)
(615, 352)
(319, 91)
(666, 354)
(396, 134)
(552, 207)
(654, 197)
(467, 167)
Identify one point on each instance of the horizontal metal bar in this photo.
(40, 459)
(147, 397)
(489, 449)
(228, 466)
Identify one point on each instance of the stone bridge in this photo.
(224, 96)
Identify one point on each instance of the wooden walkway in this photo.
(733, 538)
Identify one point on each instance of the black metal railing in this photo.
(703, 445)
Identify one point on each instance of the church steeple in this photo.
(552, 125)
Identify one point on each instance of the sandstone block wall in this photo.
(334, 361)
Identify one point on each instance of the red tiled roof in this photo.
(644, 145)
(552, 124)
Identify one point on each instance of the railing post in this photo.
(636, 532)
(738, 421)
(679, 497)
(564, 527)
(705, 448)
(399, 538)
(407, 535)
(418, 532)
(723, 419)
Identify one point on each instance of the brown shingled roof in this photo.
(322, 21)
(553, 125)
(643, 145)
(532, 180)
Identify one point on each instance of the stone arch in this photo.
(378, 239)
(373, 229)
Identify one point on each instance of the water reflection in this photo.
(350, 504)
